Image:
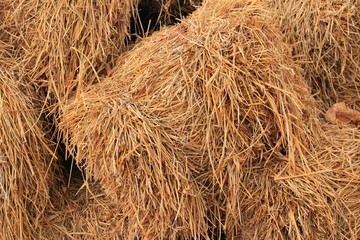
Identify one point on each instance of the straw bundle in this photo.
(26, 160)
(320, 200)
(184, 110)
(138, 164)
(26, 155)
(69, 44)
(326, 42)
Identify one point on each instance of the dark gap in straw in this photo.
(216, 233)
(69, 170)
(152, 14)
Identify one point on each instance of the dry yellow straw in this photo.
(325, 37)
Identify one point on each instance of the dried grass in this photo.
(85, 212)
(206, 127)
(326, 42)
(319, 200)
(26, 160)
(181, 114)
(69, 44)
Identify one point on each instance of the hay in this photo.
(26, 161)
(9, 39)
(337, 151)
(140, 167)
(183, 111)
(326, 42)
(85, 212)
(69, 44)
(204, 128)
(320, 200)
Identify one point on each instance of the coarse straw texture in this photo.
(69, 44)
(184, 111)
(9, 39)
(325, 35)
(26, 160)
(204, 127)
(85, 212)
(320, 200)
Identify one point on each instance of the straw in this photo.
(183, 111)
(27, 161)
(326, 39)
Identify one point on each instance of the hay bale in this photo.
(26, 160)
(326, 41)
(69, 44)
(319, 200)
(183, 111)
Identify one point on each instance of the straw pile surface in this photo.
(215, 92)
(203, 129)
(24, 154)
(69, 44)
(317, 200)
(25, 161)
(85, 212)
(326, 42)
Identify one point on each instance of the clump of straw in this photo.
(67, 45)
(26, 160)
(326, 40)
(317, 200)
(184, 111)
(85, 212)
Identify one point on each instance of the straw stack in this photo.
(326, 40)
(181, 114)
(69, 44)
(203, 129)
(26, 161)
(318, 200)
